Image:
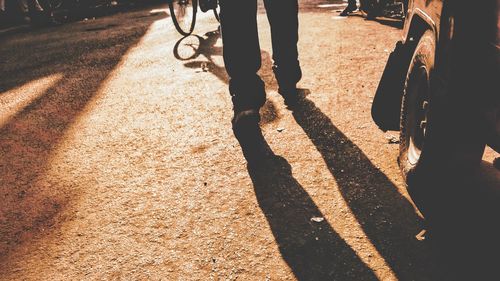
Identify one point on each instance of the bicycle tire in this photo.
(183, 13)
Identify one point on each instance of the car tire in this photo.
(433, 151)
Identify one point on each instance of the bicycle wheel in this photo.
(183, 13)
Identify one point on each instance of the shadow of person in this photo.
(313, 251)
(388, 219)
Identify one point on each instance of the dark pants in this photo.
(352, 3)
(242, 49)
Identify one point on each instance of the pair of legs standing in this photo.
(242, 50)
(242, 60)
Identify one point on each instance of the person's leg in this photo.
(283, 18)
(241, 51)
(242, 60)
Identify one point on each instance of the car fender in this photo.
(386, 106)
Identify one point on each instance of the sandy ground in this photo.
(117, 159)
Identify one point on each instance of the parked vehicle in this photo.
(385, 8)
(440, 89)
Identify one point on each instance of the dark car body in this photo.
(467, 36)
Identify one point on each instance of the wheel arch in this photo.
(387, 103)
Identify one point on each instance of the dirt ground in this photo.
(117, 159)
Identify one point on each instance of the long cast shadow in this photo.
(313, 251)
(289, 208)
(463, 236)
(30, 207)
(388, 219)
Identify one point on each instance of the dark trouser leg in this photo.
(241, 51)
(283, 18)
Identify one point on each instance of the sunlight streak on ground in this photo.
(331, 5)
(15, 100)
(129, 66)
(159, 11)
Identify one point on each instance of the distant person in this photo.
(241, 51)
(351, 7)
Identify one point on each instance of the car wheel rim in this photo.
(417, 117)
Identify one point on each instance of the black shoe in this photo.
(348, 10)
(247, 131)
(291, 96)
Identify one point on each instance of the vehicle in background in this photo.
(384, 8)
(440, 89)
